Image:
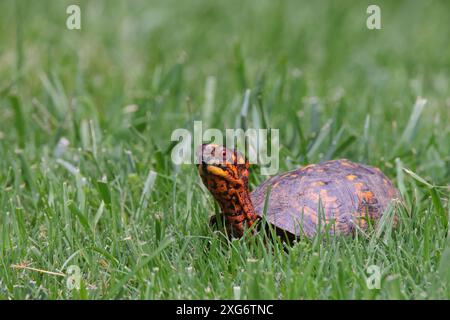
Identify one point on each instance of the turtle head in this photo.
(222, 167)
(225, 173)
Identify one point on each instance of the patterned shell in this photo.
(348, 194)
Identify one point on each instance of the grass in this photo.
(86, 118)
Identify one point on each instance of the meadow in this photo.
(86, 178)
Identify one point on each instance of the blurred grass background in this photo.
(112, 202)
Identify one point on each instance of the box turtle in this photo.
(348, 195)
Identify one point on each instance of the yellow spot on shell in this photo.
(351, 177)
(318, 183)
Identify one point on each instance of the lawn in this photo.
(86, 116)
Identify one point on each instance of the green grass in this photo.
(113, 203)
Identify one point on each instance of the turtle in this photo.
(341, 195)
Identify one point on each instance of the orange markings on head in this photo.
(222, 163)
(225, 174)
(221, 186)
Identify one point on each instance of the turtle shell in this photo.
(348, 195)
